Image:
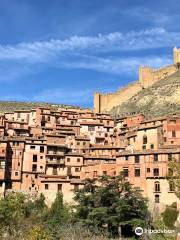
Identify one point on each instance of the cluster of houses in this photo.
(45, 151)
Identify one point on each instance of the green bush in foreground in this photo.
(113, 206)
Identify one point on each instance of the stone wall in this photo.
(147, 77)
(176, 55)
(105, 102)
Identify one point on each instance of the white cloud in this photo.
(43, 51)
(128, 65)
(80, 52)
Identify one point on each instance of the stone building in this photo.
(45, 151)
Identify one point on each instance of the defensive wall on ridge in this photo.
(147, 77)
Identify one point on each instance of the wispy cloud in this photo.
(118, 66)
(42, 51)
(85, 52)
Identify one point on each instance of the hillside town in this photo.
(45, 151)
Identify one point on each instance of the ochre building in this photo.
(45, 151)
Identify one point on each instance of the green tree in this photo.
(113, 204)
(57, 216)
(12, 210)
(174, 176)
(18, 214)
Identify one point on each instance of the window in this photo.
(34, 158)
(78, 143)
(59, 187)
(148, 170)
(78, 159)
(156, 172)
(136, 158)
(77, 169)
(46, 186)
(32, 147)
(126, 158)
(34, 167)
(156, 157)
(144, 139)
(144, 147)
(41, 167)
(68, 159)
(41, 149)
(41, 157)
(137, 172)
(16, 173)
(157, 187)
(91, 128)
(84, 143)
(169, 157)
(157, 198)
(125, 172)
(104, 172)
(173, 133)
(54, 172)
(171, 186)
(95, 174)
(76, 187)
(152, 146)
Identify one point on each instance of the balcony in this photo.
(55, 153)
(55, 162)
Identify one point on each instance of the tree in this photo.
(113, 203)
(57, 216)
(18, 214)
(174, 176)
(12, 210)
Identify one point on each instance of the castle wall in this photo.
(105, 102)
(147, 77)
(176, 55)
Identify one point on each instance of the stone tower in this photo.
(176, 55)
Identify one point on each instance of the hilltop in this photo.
(162, 98)
(9, 106)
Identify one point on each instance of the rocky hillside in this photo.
(160, 99)
(9, 106)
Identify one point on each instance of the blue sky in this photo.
(63, 51)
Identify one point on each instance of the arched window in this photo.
(157, 187)
(157, 198)
(144, 139)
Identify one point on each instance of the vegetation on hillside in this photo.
(10, 106)
(160, 99)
